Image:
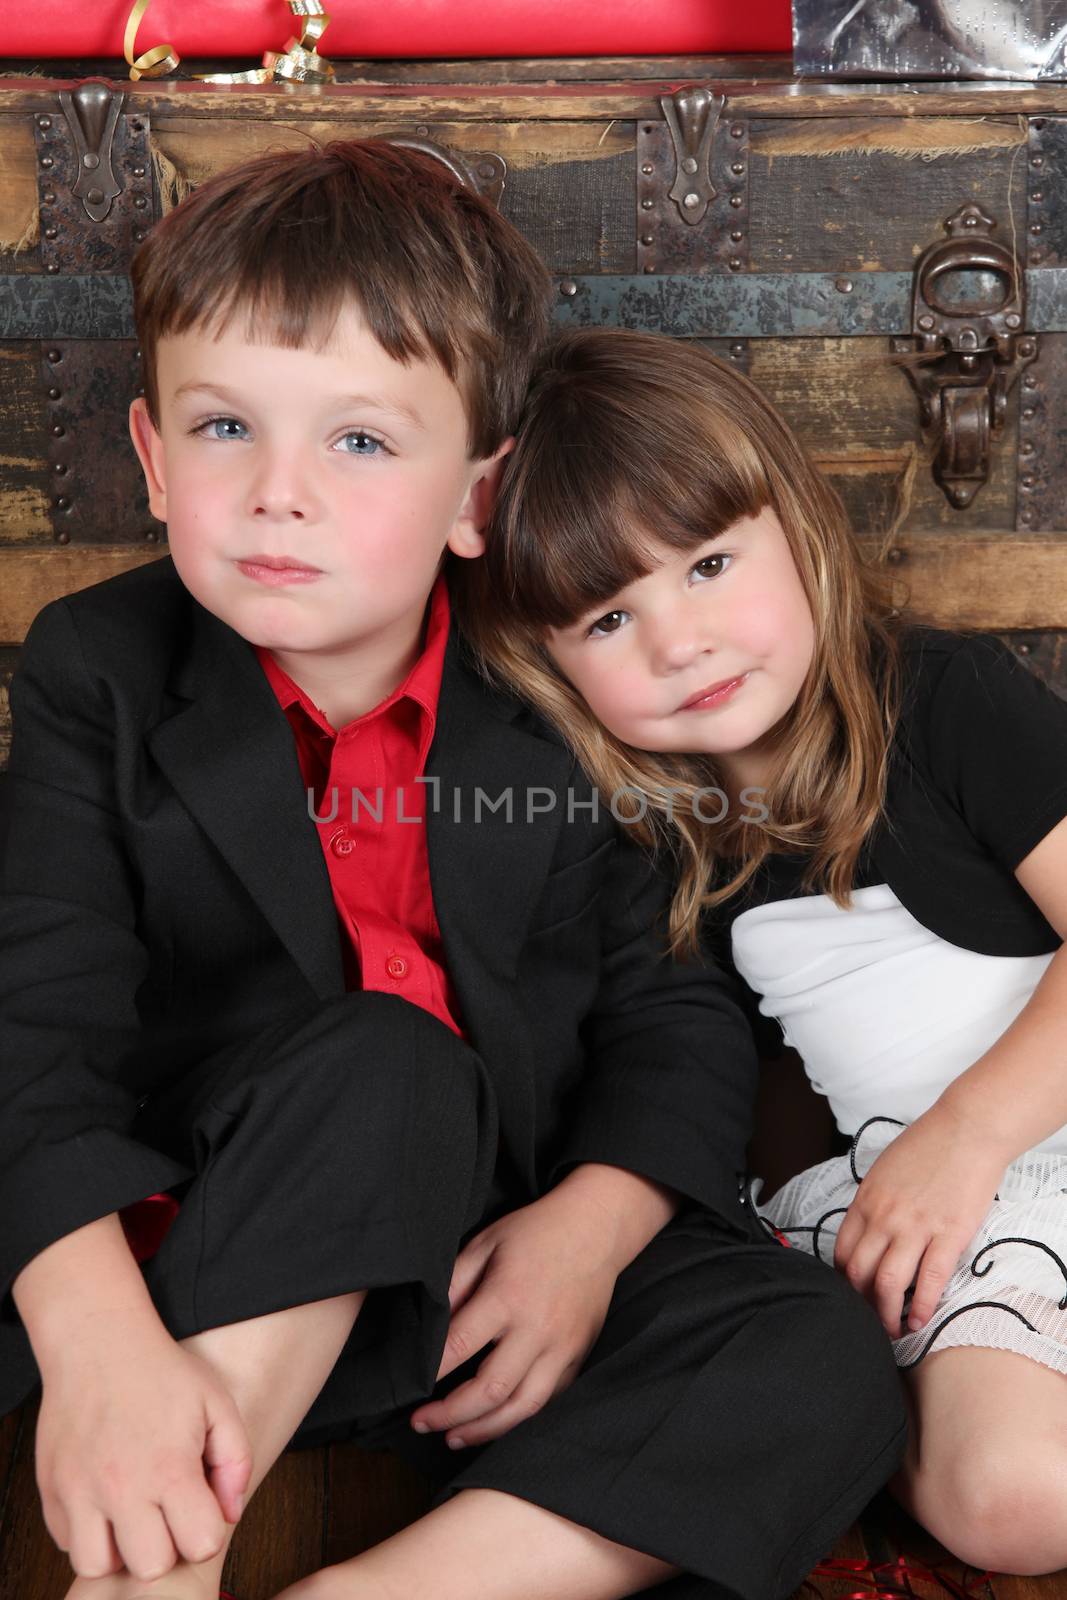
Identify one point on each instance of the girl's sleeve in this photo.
(998, 748)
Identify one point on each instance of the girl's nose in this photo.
(676, 644)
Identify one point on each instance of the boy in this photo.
(422, 1084)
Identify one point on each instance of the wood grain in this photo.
(24, 486)
(279, 1539)
(371, 1495)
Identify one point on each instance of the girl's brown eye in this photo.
(701, 566)
(609, 623)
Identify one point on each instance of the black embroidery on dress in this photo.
(977, 1305)
(980, 1272)
(859, 1135)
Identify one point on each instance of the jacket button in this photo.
(396, 967)
(342, 844)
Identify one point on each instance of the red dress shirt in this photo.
(363, 782)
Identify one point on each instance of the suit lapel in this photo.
(486, 875)
(231, 758)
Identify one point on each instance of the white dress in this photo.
(884, 1014)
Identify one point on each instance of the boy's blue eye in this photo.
(610, 622)
(222, 428)
(704, 568)
(360, 443)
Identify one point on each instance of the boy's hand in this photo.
(537, 1285)
(916, 1210)
(141, 1454)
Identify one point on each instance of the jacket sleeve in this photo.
(71, 962)
(671, 1063)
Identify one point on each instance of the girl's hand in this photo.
(537, 1285)
(916, 1211)
(131, 1430)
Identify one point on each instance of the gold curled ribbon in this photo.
(297, 62)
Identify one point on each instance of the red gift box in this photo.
(414, 29)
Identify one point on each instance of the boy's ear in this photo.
(149, 447)
(468, 531)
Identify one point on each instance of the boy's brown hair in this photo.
(287, 238)
(630, 438)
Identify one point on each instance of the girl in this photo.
(868, 819)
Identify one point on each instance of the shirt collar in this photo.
(422, 684)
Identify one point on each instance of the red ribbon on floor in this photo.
(892, 1580)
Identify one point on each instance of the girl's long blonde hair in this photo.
(628, 437)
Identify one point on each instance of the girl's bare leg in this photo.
(494, 1545)
(986, 1468)
(274, 1366)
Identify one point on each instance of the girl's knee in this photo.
(995, 1508)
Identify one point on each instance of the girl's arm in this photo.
(1016, 1094)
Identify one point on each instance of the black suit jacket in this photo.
(163, 894)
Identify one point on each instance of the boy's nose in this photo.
(282, 491)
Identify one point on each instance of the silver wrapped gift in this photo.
(1019, 39)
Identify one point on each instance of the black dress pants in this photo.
(739, 1408)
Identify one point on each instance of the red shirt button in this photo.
(396, 967)
(342, 844)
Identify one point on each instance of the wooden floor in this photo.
(320, 1506)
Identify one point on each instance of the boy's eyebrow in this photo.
(379, 402)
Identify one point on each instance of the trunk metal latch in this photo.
(967, 347)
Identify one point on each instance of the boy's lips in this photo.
(277, 569)
(714, 694)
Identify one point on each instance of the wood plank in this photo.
(556, 100)
(371, 1495)
(569, 187)
(279, 1538)
(31, 1567)
(18, 193)
(24, 486)
(955, 580)
(8, 663)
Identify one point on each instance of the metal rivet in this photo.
(736, 235)
(737, 168)
(58, 430)
(1029, 382)
(1027, 482)
(152, 536)
(646, 205)
(736, 201)
(647, 168)
(1036, 228)
(137, 127)
(49, 197)
(1026, 347)
(737, 349)
(487, 170)
(44, 122)
(52, 266)
(649, 127)
(55, 355)
(895, 556)
(843, 285)
(1013, 320)
(970, 222)
(55, 394)
(735, 263)
(90, 160)
(1026, 449)
(926, 322)
(140, 202)
(690, 201)
(650, 266)
(60, 468)
(568, 287)
(51, 233)
(63, 538)
(737, 131)
(1037, 253)
(1029, 413)
(46, 161)
(138, 172)
(95, 197)
(1037, 161)
(137, 355)
(1027, 516)
(139, 234)
(63, 502)
(648, 238)
(422, 130)
(1037, 196)
(1022, 649)
(689, 164)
